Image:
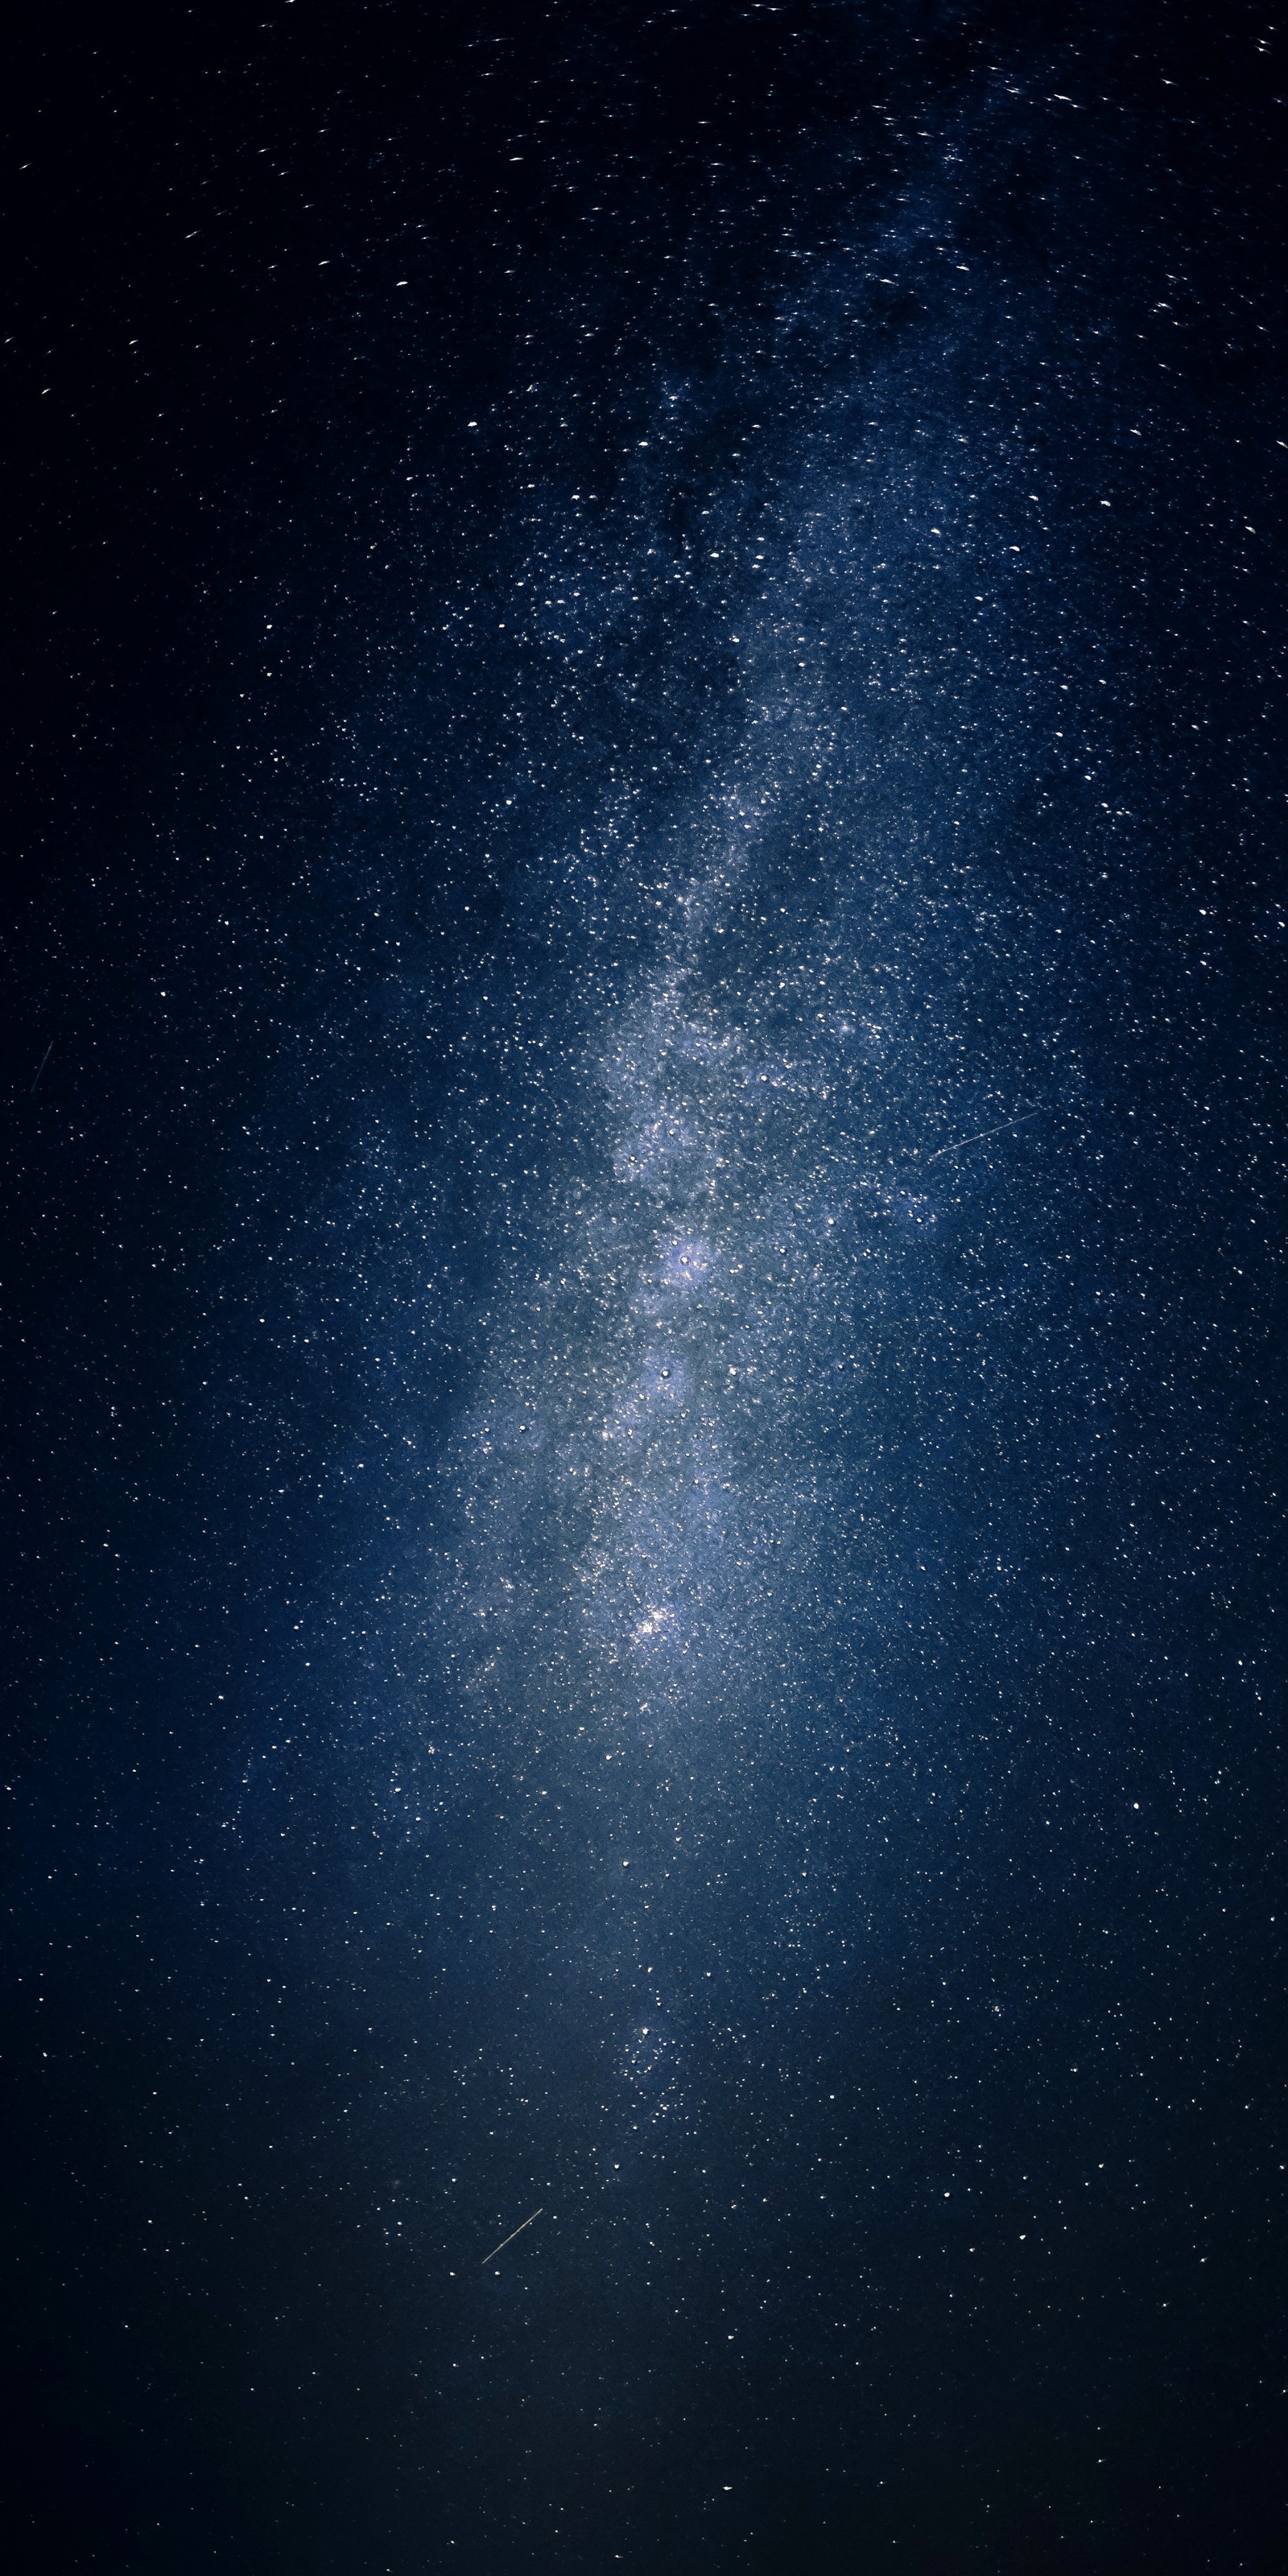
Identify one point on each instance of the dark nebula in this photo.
(644, 1191)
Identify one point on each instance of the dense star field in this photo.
(644, 1195)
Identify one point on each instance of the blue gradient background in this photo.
(645, 1293)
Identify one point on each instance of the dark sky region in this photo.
(643, 1209)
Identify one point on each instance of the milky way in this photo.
(652, 1839)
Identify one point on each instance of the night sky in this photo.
(643, 1200)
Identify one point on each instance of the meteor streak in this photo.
(960, 1143)
(509, 2240)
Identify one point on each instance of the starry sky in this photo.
(643, 1199)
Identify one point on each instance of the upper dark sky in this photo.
(643, 1203)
